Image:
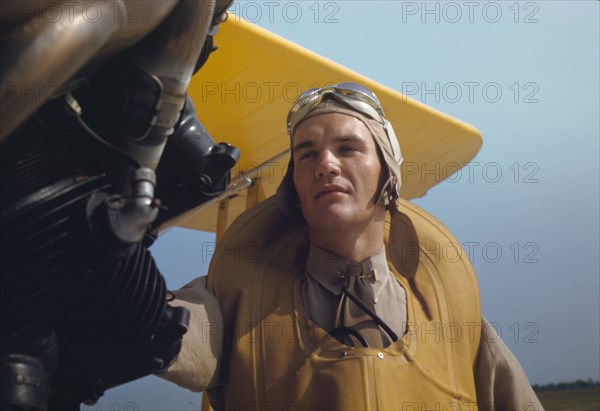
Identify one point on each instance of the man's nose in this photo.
(328, 165)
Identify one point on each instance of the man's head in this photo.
(318, 124)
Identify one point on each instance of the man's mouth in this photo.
(330, 190)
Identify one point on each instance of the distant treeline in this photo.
(566, 385)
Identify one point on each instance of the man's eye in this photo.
(309, 154)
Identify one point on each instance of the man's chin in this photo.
(329, 219)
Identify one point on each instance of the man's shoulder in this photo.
(264, 224)
(424, 224)
(414, 236)
(260, 243)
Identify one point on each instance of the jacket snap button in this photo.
(380, 354)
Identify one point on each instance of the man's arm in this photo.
(500, 381)
(197, 366)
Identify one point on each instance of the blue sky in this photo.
(526, 74)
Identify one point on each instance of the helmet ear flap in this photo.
(395, 146)
(394, 189)
(394, 170)
(285, 196)
(389, 191)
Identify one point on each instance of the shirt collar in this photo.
(329, 269)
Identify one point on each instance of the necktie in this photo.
(352, 315)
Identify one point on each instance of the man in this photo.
(340, 306)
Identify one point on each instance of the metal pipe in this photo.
(46, 47)
(168, 57)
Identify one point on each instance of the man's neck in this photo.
(352, 245)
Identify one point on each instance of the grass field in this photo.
(576, 399)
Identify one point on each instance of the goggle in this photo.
(355, 95)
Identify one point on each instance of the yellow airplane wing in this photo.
(245, 90)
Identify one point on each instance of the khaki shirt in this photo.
(500, 381)
(322, 288)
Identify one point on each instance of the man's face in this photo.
(337, 172)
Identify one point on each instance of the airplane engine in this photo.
(88, 175)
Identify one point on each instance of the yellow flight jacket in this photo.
(275, 357)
